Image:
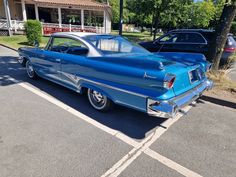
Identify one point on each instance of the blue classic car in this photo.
(110, 69)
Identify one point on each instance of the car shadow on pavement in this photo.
(219, 101)
(132, 123)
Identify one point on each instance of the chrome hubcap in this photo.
(97, 99)
(97, 96)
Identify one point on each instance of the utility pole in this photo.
(121, 17)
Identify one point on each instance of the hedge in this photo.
(33, 29)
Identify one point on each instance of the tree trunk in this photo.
(155, 28)
(222, 31)
(153, 17)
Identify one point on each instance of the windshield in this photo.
(108, 44)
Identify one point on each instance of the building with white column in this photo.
(57, 15)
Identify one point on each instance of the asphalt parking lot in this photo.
(49, 131)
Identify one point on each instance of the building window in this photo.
(48, 15)
(93, 18)
(30, 11)
(71, 16)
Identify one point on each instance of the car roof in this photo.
(78, 34)
(193, 30)
(202, 31)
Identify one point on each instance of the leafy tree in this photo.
(139, 11)
(233, 28)
(115, 5)
(171, 13)
(175, 14)
(222, 30)
(115, 10)
(201, 14)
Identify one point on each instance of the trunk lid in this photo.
(188, 74)
(186, 77)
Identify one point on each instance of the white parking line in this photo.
(78, 114)
(123, 163)
(138, 149)
(171, 164)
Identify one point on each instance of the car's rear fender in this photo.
(187, 58)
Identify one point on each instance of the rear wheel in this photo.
(30, 70)
(99, 101)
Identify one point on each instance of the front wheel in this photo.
(30, 70)
(99, 101)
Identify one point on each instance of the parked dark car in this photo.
(190, 41)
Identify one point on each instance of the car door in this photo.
(72, 62)
(191, 42)
(49, 60)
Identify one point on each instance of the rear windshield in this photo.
(109, 44)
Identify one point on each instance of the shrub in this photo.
(233, 28)
(33, 29)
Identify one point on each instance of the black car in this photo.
(190, 41)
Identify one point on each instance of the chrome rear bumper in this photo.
(169, 108)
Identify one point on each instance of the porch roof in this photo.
(81, 3)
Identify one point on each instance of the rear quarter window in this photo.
(208, 36)
(190, 38)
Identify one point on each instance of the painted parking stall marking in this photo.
(171, 164)
(139, 147)
(122, 164)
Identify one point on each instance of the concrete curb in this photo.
(8, 47)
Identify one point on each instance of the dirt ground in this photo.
(222, 94)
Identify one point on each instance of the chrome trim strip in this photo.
(77, 80)
(115, 88)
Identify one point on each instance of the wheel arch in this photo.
(86, 86)
(24, 58)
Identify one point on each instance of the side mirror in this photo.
(36, 44)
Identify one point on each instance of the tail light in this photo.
(169, 81)
(230, 49)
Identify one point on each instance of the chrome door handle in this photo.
(58, 60)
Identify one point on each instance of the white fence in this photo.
(49, 28)
(15, 24)
(3, 24)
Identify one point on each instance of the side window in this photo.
(190, 38)
(68, 45)
(170, 38)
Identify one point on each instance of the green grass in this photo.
(135, 37)
(17, 41)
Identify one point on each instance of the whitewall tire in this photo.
(30, 70)
(99, 101)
